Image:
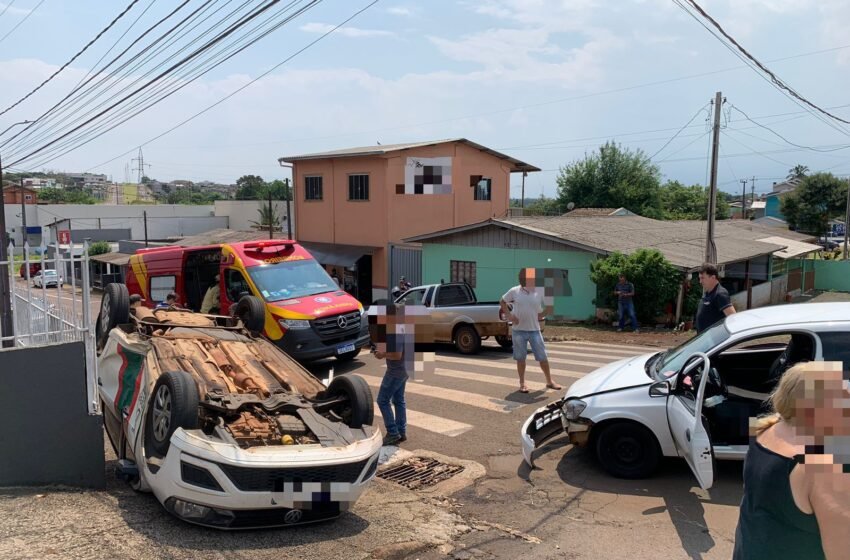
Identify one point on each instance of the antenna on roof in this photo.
(378, 143)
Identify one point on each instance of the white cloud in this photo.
(400, 11)
(346, 31)
(10, 10)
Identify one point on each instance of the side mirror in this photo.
(659, 389)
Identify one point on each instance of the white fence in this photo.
(44, 313)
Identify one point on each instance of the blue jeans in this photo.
(392, 390)
(521, 340)
(627, 306)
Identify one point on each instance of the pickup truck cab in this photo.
(458, 317)
(307, 315)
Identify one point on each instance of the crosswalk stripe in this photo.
(607, 358)
(494, 379)
(494, 364)
(431, 423)
(611, 346)
(486, 362)
(462, 397)
(592, 352)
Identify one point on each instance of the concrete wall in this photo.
(832, 275)
(46, 433)
(497, 269)
(242, 213)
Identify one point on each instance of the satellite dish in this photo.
(570, 206)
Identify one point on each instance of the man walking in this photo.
(396, 349)
(716, 303)
(525, 315)
(625, 292)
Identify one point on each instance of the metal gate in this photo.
(405, 260)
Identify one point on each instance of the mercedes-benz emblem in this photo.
(342, 322)
(293, 516)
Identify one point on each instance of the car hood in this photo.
(621, 374)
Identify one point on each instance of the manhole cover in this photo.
(420, 472)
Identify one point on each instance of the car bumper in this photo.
(548, 422)
(261, 487)
(304, 345)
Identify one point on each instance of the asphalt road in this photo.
(467, 408)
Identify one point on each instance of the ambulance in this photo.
(307, 315)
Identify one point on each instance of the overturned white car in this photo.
(222, 426)
(694, 401)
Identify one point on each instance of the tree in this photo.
(817, 199)
(799, 171)
(146, 179)
(268, 216)
(656, 281)
(55, 195)
(99, 248)
(680, 202)
(543, 207)
(613, 178)
(280, 190)
(250, 187)
(51, 195)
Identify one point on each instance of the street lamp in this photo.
(6, 323)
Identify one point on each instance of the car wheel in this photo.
(173, 404)
(348, 356)
(467, 340)
(505, 342)
(114, 310)
(252, 312)
(358, 410)
(627, 450)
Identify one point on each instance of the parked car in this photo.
(693, 401)
(34, 268)
(48, 278)
(458, 317)
(221, 425)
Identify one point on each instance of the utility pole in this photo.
(710, 247)
(271, 216)
(288, 194)
(744, 199)
(847, 224)
(753, 197)
(25, 237)
(141, 166)
(524, 175)
(145, 218)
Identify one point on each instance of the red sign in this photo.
(64, 237)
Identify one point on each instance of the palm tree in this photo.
(268, 216)
(799, 171)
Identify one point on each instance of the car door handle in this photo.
(688, 434)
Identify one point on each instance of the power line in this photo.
(9, 5)
(73, 58)
(26, 17)
(661, 149)
(785, 139)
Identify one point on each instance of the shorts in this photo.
(521, 339)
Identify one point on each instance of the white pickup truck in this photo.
(458, 317)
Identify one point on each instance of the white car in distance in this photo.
(694, 401)
(48, 279)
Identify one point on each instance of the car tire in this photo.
(360, 409)
(348, 356)
(505, 341)
(252, 312)
(173, 404)
(114, 310)
(467, 340)
(627, 450)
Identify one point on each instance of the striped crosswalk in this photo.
(465, 391)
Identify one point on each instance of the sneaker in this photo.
(392, 439)
(402, 437)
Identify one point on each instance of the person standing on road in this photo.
(525, 315)
(716, 303)
(796, 502)
(625, 292)
(396, 350)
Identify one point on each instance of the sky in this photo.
(545, 81)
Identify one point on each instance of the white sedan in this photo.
(694, 401)
(47, 279)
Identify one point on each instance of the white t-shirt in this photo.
(527, 305)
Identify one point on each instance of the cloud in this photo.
(400, 11)
(346, 31)
(10, 10)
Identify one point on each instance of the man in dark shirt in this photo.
(716, 303)
(625, 291)
(397, 349)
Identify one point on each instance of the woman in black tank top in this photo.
(796, 502)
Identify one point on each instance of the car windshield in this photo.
(50, 273)
(291, 279)
(673, 360)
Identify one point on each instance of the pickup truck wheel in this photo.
(359, 410)
(252, 312)
(174, 404)
(504, 341)
(467, 340)
(348, 356)
(627, 450)
(114, 310)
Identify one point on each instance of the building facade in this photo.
(15, 195)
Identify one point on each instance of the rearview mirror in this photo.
(659, 389)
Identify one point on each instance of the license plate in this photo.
(345, 349)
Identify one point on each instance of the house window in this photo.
(27, 197)
(482, 188)
(358, 187)
(463, 271)
(161, 286)
(313, 188)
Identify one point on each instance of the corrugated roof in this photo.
(766, 227)
(792, 248)
(599, 212)
(682, 243)
(384, 149)
(118, 259)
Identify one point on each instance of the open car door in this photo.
(684, 414)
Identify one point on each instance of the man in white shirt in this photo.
(525, 314)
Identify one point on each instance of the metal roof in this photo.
(384, 149)
(601, 212)
(792, 248)
(118, 259)
(681, 242)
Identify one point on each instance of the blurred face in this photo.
(707, 281)
(824, 409)
(526, 278)
(622, 278)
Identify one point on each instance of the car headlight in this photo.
(294, 323)
(573, 408)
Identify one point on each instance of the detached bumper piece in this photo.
(546, 423)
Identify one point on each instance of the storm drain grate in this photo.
(420, 472)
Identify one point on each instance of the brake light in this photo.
(285, 243)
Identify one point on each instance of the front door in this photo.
(684, 414)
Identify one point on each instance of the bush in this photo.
(656, 281)
(99, 248)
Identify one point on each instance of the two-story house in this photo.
(354, 207)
